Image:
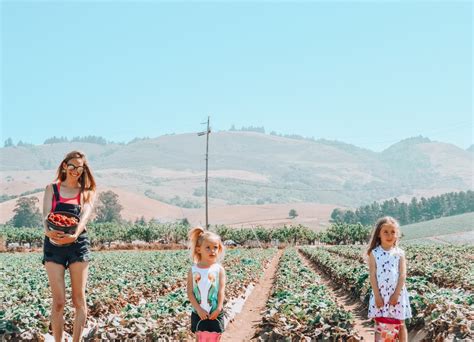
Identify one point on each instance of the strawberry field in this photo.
(129, 295)
(442, 306)
(301, 308)
(141, 295)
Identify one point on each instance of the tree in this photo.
(403, 214)
(92, 139)
(26, 213)
(8, 142)
(350, 217)
(292, 214)
(108, 207)
(55, 140)
(337, 215)
(140, 221)
(359, 233)
(414, 210)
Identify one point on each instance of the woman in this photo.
(74, 192)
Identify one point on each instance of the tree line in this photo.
(92, 139)
(108, 226)
(424, 209)
(105, 233)
(27, 213)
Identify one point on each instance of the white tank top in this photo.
(206, 286)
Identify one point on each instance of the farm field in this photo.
(141, 294)
(130, 294)
(444, 226)
(300, 307)
(440, 305)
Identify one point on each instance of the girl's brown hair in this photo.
(197, 236)
(86, 179)
(375, 239)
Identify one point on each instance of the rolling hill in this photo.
(456, 229)
(246, 169)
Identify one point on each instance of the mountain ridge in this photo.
(270, 168)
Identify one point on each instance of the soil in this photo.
(243, 327)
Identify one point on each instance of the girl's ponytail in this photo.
(195, 235)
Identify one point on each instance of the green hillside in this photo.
(278, 169)
(452, 225)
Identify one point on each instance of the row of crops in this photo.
(444, 312)
(300, 308)
(130, 295)
(445, 266)
(141, 295)
(106, 233)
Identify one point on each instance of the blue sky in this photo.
(365, 73)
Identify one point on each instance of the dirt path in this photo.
(362, 324)
(437, 239)
(243, 327)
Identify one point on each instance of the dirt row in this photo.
(244, 326)
(362, 324)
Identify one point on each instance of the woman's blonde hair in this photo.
(197, 236)
(375, 239)
(86, 179)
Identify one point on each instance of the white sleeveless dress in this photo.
(387, 278)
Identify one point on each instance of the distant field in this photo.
(466, 238)
(453, 229)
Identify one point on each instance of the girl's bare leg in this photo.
(403, 335)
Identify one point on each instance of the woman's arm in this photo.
(220, 295)
(47, 204)
(86, 212)
(55, 235)
(373, 281)
(200, 311)
(402, 267)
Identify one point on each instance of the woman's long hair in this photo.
(86, 180)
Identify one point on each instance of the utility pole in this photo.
(207, 132)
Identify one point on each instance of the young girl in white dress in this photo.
(389, 301)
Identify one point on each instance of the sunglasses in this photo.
(72, 167)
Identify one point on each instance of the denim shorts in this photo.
(79, 251)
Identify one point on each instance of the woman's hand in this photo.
(215, 313)
(393, 299)
(60, 238)
(379, 301)
(55, 235)
(67, 239)
(202, 314)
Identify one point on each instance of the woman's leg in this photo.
(78, 272)
(56, 282)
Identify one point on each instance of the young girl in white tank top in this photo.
(206, 282)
